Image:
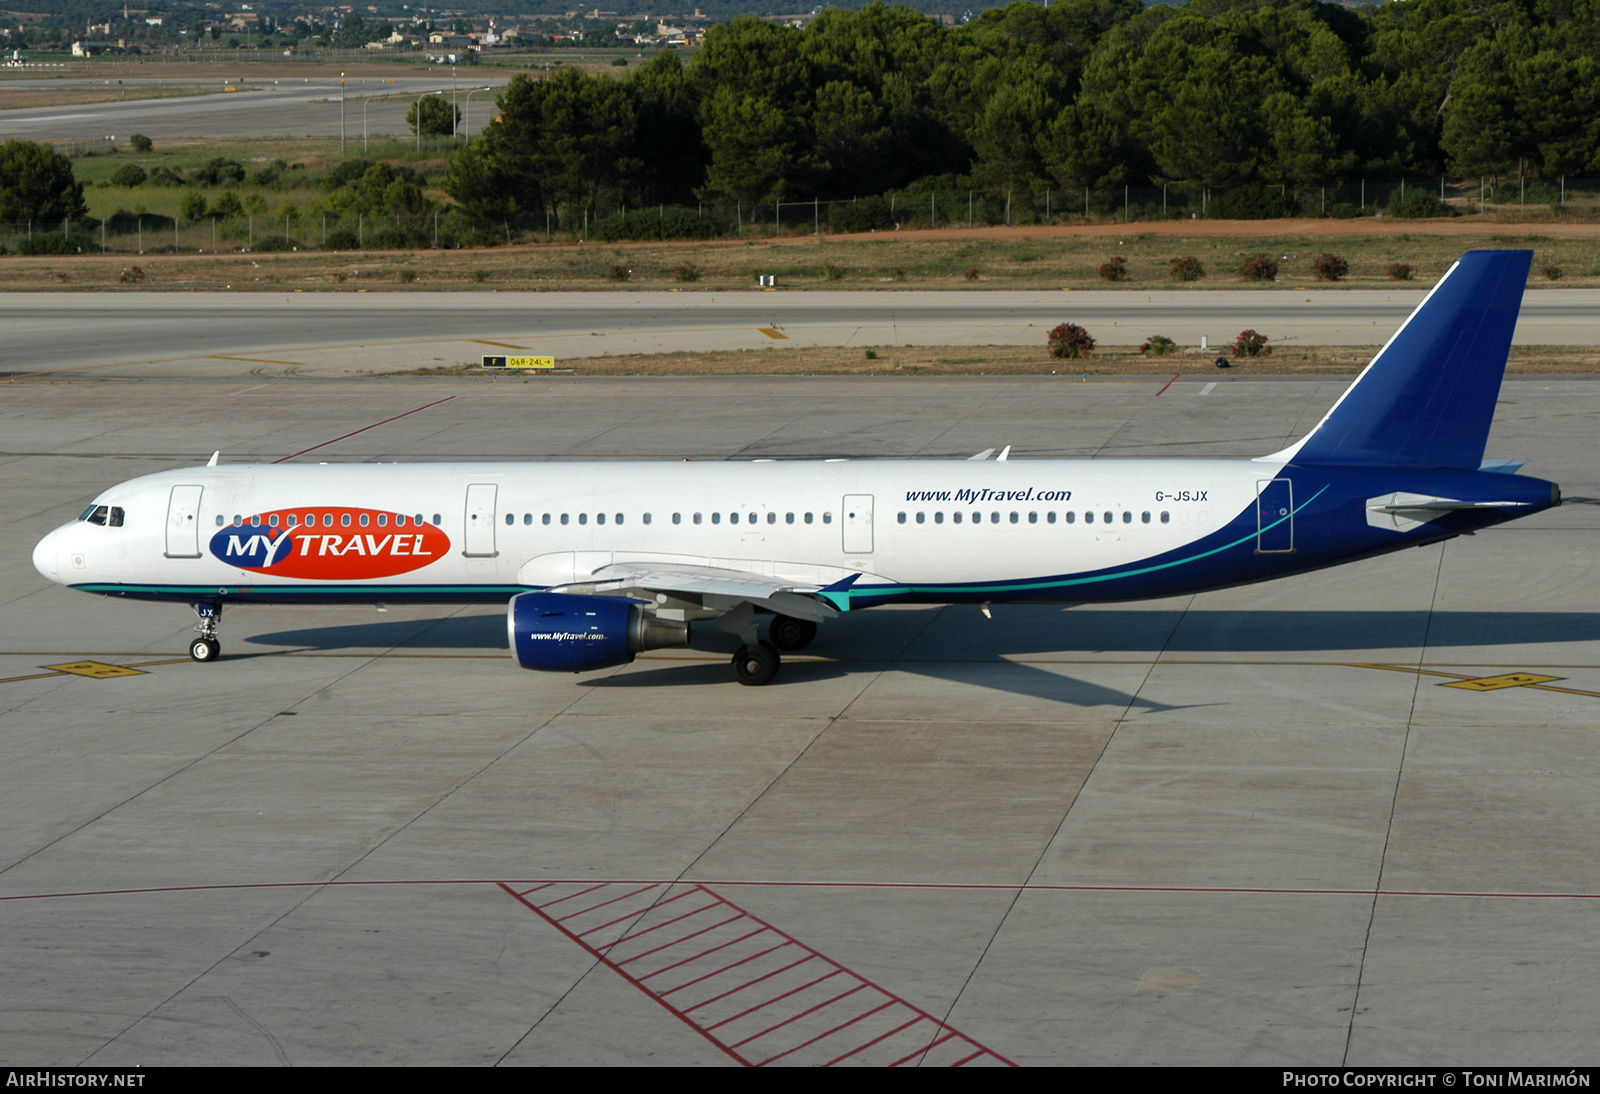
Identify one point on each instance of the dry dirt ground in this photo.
(1016, 361)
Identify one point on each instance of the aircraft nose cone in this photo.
(45, 558)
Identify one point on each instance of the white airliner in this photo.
(600, 561)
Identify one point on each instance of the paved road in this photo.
(48, 332)
(260, 108)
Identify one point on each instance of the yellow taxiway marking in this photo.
(95, 670)
(1486, 683)
(502, 345)
(252, 360)
(773, 332)
(1495, 683)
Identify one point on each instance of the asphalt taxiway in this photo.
(1345, 818)
(192, 335)
(248, 107)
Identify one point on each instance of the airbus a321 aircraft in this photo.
(600, 561)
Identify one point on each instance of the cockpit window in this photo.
(96, 515)
(115, 520)
(85, 514)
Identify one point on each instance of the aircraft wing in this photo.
(716, 588)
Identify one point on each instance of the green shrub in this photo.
(1259, 267)
(1343, 210)
(686, 272)
(47, 243)
(1115, 269)
(343, 239)
(128, 175)
(618, 272)
(867, 215)
(1551, 273)
(1417, 203)
(273, 244)
(830, 272)
(1158, 345)
(227, 205)
(972, 273)
(219, 172)
(141, 143)
(1400, 271)
(650, 224)
(1068, 340)
(392, 237)
(1186, 268)
(1252, 203)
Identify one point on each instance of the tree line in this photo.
(1080, 94)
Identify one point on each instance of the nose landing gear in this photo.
(206, 647)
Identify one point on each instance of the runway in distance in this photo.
(598, 562)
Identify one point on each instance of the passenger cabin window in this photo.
(547, 518)
(437, 519)
(1072, 518)
(827, 518)
(563, 518)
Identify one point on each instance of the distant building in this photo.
(88, 48)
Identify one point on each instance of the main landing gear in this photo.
(206, 647)
(790, 634)
(756, 663)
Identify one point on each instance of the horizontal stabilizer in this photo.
(1502, 467)
(1428, 397)
(1403, 512)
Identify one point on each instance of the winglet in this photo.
(212, 462)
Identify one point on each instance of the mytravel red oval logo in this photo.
(331, 543)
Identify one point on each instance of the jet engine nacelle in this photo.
(558, 632)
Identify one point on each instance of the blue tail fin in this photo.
(1428, 397)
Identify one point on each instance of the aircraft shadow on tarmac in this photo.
(1030, 630)
(961, 649)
